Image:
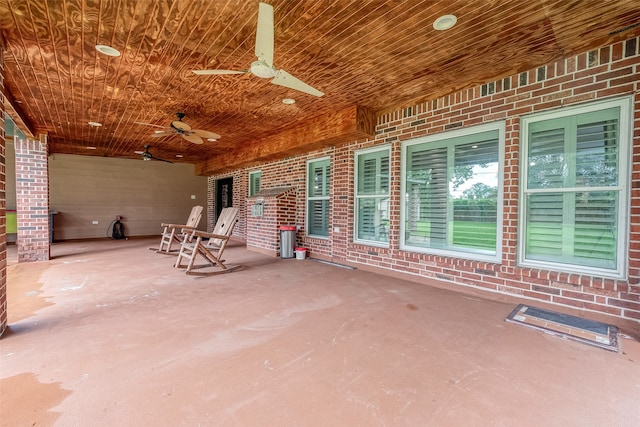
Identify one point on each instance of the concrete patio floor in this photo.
(107, 333)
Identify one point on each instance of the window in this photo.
(452, 198)
(318, 198)
(254, 182)
(11, 130)
(372, 196)
(574, 187)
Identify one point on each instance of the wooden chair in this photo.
(211, 250)
(177, 232)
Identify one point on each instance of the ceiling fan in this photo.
(178, 127)
(263, 67)
(146, 155)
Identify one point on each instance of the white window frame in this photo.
(308, 198)
(624, 166)
(441, 139)
(357, 154)
(258, 172)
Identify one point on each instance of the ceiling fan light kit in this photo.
(147, 156)
(263, 66)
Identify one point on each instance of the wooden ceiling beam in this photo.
(332, 129)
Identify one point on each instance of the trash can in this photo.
(287, 240)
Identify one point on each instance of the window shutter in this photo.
(372, 200)
(254, 183)
(319, 217)
(597, 154)
(318, 198)
(428, 194)
(572, 197)
(452, 193)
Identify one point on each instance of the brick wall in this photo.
(32, 200)
(3, 206)
(211, 201)
(263, 233)
(606, 72)
(240, 193)
(290, 172)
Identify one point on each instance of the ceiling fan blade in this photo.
(211, 72)
(285, 79)
(161, 134)
(195, 139)
(180, 125)
(161, 160)
(206, 134)
(264, 33)
(149, 124)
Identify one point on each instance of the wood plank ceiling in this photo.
(365, 55)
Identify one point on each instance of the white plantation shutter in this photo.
(254, 182)
(573, 192)
(372, 196)
(429, 184)
(318, 174)
(452, 193)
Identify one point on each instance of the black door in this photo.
(224, 194)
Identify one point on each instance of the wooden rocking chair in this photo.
(211, 250)
(178, 232)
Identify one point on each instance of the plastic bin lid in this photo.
(301, 249)
(288, 228)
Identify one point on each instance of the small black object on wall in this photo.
(117, 230)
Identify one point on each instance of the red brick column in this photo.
(3, 229)
(32, 200)
(3, 206)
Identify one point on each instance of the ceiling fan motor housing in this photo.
(260, 68)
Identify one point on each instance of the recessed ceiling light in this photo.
(91, 148)
(95, 124)
(158, 131)
(18, 101)
(288, 101)
(179, 155)
(107, 50)
(474, 146)
(211, 139)
(445, 22)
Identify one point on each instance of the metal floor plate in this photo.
(566, 326)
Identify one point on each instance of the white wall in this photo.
(84, 189)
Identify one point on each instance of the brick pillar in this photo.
(32, 200)
(3, 206)
(211, 203)
(3, 228)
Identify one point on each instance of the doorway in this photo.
(224, 194)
